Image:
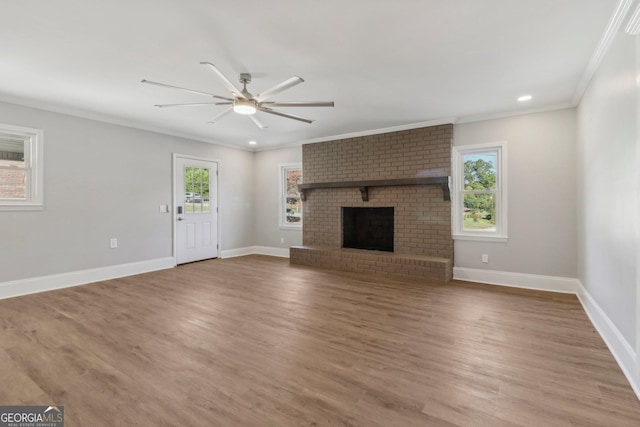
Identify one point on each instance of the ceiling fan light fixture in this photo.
(244, 106)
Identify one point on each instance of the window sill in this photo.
(480, 238)
(290, 227)
(21, 208)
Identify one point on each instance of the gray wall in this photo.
(104, 181)
(267, 197)
(608, 186)
(541, 194)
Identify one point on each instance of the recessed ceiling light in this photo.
(252, 142)
(524, 98)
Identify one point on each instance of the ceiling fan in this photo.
(243, 102)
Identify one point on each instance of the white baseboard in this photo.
(65, 280)
(518, 280)
(231, 253)
(622, 351)
(255, 250)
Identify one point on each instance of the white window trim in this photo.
(282, 202)
(459, 233)
(33, 143)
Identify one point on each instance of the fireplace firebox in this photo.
(367, 228)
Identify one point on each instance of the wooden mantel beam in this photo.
(442, 181)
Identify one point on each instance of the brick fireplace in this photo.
(406, 171)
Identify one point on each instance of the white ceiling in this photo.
(384, 63)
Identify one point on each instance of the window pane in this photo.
(205, 190)
(188, 188)
(294, 177)
(480, 171)
(13, 176)
(205, 201)
(197, 185)
(13, 182)
(291, 208)
(294, 210)
(188, 180)
(480, 212)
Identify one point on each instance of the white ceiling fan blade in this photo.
(298, 104)
(289, 83)
(257, 122)
(288, 116)
(230, 87)
(149, 82)
(193, 104)
(221, 115)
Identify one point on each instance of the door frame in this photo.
(174, 199)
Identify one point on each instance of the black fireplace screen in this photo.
(367, 228)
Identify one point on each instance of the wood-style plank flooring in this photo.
(254, 341)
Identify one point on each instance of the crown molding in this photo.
(452, 120)
(378, 131)
(113, 120)
(615, 22)
(506, 114)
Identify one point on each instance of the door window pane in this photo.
(204, 189)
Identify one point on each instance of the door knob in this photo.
(179, 219)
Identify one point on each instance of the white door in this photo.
(196, 209)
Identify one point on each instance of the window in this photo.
(480, 192)
(20, 168)
(196, 187)
(290, 200)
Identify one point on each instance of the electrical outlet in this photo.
(163, 208)
(282, 240)
(114, 243)
(485, 258)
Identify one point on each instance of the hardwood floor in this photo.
(253, 341)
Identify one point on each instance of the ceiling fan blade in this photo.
(230, 87)
(288, 116)
(257, 122)
(221, 115)
(149, 82)
(193, 104)
(289, 83)
(298, 104)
